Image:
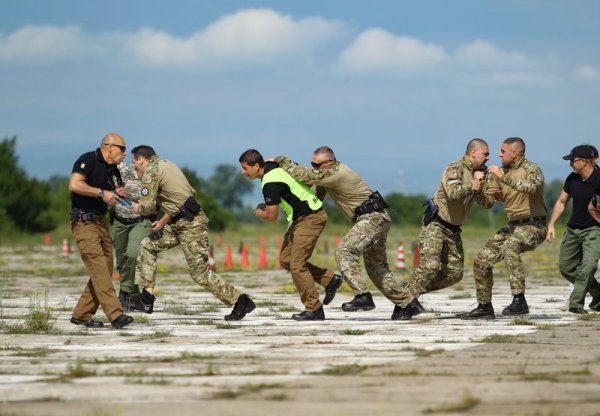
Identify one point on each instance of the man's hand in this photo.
(135, 207)
(551, 234)
(496, 170)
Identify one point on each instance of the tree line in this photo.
(30, 205)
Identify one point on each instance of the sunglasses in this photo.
(318, 165)
(122, 148)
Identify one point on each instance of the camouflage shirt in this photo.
(522, 188)
(345, 186)
(133, 185)
(163, 185)
(454, 196)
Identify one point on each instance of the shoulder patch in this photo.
(145, 191)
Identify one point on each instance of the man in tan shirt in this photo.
(520, 184)
(371, 223)
(440, 244)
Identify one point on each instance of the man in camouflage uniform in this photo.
(365, 209)
(440, 244)
(128, 230)
(164, 185)
(520, 184)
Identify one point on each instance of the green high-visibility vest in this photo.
(300, 190)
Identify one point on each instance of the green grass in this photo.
(345, 370)
(79, 371)
(466, 403)
(498, 339)
(521, 320)
(155, 335)
(349, 331)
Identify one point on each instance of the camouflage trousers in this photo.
(441, 265)
(507, 244)
(367, 238)
(193, 237)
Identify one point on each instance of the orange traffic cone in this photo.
(337, 240)
(416, 255)
(245, 262)
(218, 240)
(66, 248)
(47, 240)
(211, 259)
(228, 259)
(117, 276)
(400, 262)
(262, 258)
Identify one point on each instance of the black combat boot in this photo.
(414, 308)
(482, 311)
(363, 302)
(128, 300)
(121, 321)
(318, 315)
(517, 307)
(595, 304)
(579, 311)
(145, 302)
(243, 306)
(331, 288)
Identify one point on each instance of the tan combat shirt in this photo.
(522, 188)
(454, 196)
(163, 185)
(345, 186)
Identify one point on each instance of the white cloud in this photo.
(42, 44)
(246, 37)
(483, 54)
(251, 36)
(379, 51)
(587, 73)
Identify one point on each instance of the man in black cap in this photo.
(580, 248)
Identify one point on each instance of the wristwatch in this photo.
(101, 194)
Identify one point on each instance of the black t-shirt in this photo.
(274, 192)
(98, 174)
(582, 191)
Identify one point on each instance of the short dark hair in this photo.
(327, 151)
(475, 143)
(516, 140)
(144, 151)
(252, 157)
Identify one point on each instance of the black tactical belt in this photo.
(83, 216)
(129, 221)
(451, 227)
(527, 220)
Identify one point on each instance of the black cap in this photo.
(583, 151)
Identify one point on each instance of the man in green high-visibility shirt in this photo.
(305, 213)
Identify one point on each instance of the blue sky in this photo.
(396, 88)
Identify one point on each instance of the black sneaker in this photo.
(482, 311)
(517, 307)
(318, 315)
(414, 308)
(243, 306)
(121, 321)
(332, 288)
(145, 302)
(362, 302)
(579, 311)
